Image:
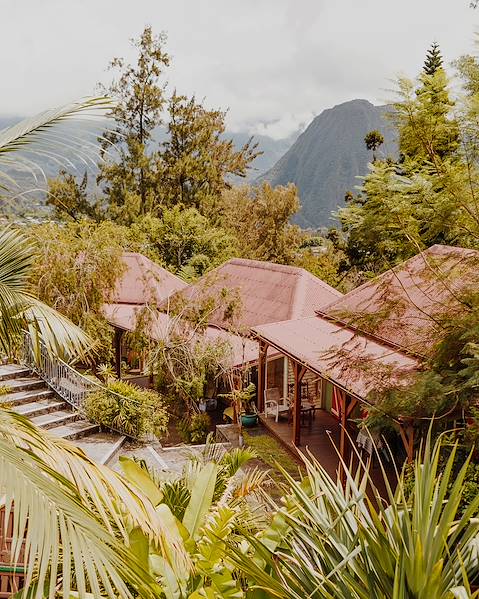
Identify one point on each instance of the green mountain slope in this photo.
(328, 156)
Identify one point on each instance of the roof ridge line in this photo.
(299, 295)
(391, 270)
(399, 267)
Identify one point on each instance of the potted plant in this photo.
(242, 403)
(248, 412)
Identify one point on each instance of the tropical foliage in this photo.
(213, 532)
(21, 310)
(75, 269)
(427, 195)
(100, 535)
(128, 409)
(346, 542)
(78, 539)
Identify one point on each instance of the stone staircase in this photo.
(30, 396)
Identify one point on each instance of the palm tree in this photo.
(68, 513)
(84, 528)
(19, 308)
(71, 517)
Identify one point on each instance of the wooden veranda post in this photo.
(407, 435)
(117, 341)
(348, 404)
(344, 420)
(263, 350)
(298, 377)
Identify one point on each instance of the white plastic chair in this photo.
(274, 403)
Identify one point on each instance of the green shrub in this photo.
(194, 429)
(134, 411)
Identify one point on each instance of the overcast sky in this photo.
(274, 63)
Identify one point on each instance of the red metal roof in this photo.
(403, 305)
(144, 282)
(124, 316)
(268, 292)
(356, 363)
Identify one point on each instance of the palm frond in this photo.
(48, 139)
(61, 539)
(31, 129)
(117, 504)
(20, 310)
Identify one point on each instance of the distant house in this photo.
(372, 337)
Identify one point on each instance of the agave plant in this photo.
(330, 541)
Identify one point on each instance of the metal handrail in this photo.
(72, 386)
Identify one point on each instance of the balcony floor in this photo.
(321, 438)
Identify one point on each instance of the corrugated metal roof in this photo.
(269, 292)
(403, 305)
(124, 316)
(354, 362)
(144, 282)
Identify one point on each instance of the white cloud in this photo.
(274, 63)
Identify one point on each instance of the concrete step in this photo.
(23, 397)
(102, 447)
(42, 406)
(75, 430)
(153, 458)
(24, 383)
(11, 371)
(55, 419)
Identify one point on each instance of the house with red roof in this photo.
(267, 292)
(375, 336)
(142, 283)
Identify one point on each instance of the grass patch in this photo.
(272, 454)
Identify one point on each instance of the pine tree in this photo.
(433, 60)
(129, 175)
(197, 161)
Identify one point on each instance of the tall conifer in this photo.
(433, 60)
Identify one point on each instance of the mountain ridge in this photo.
(328, 157)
